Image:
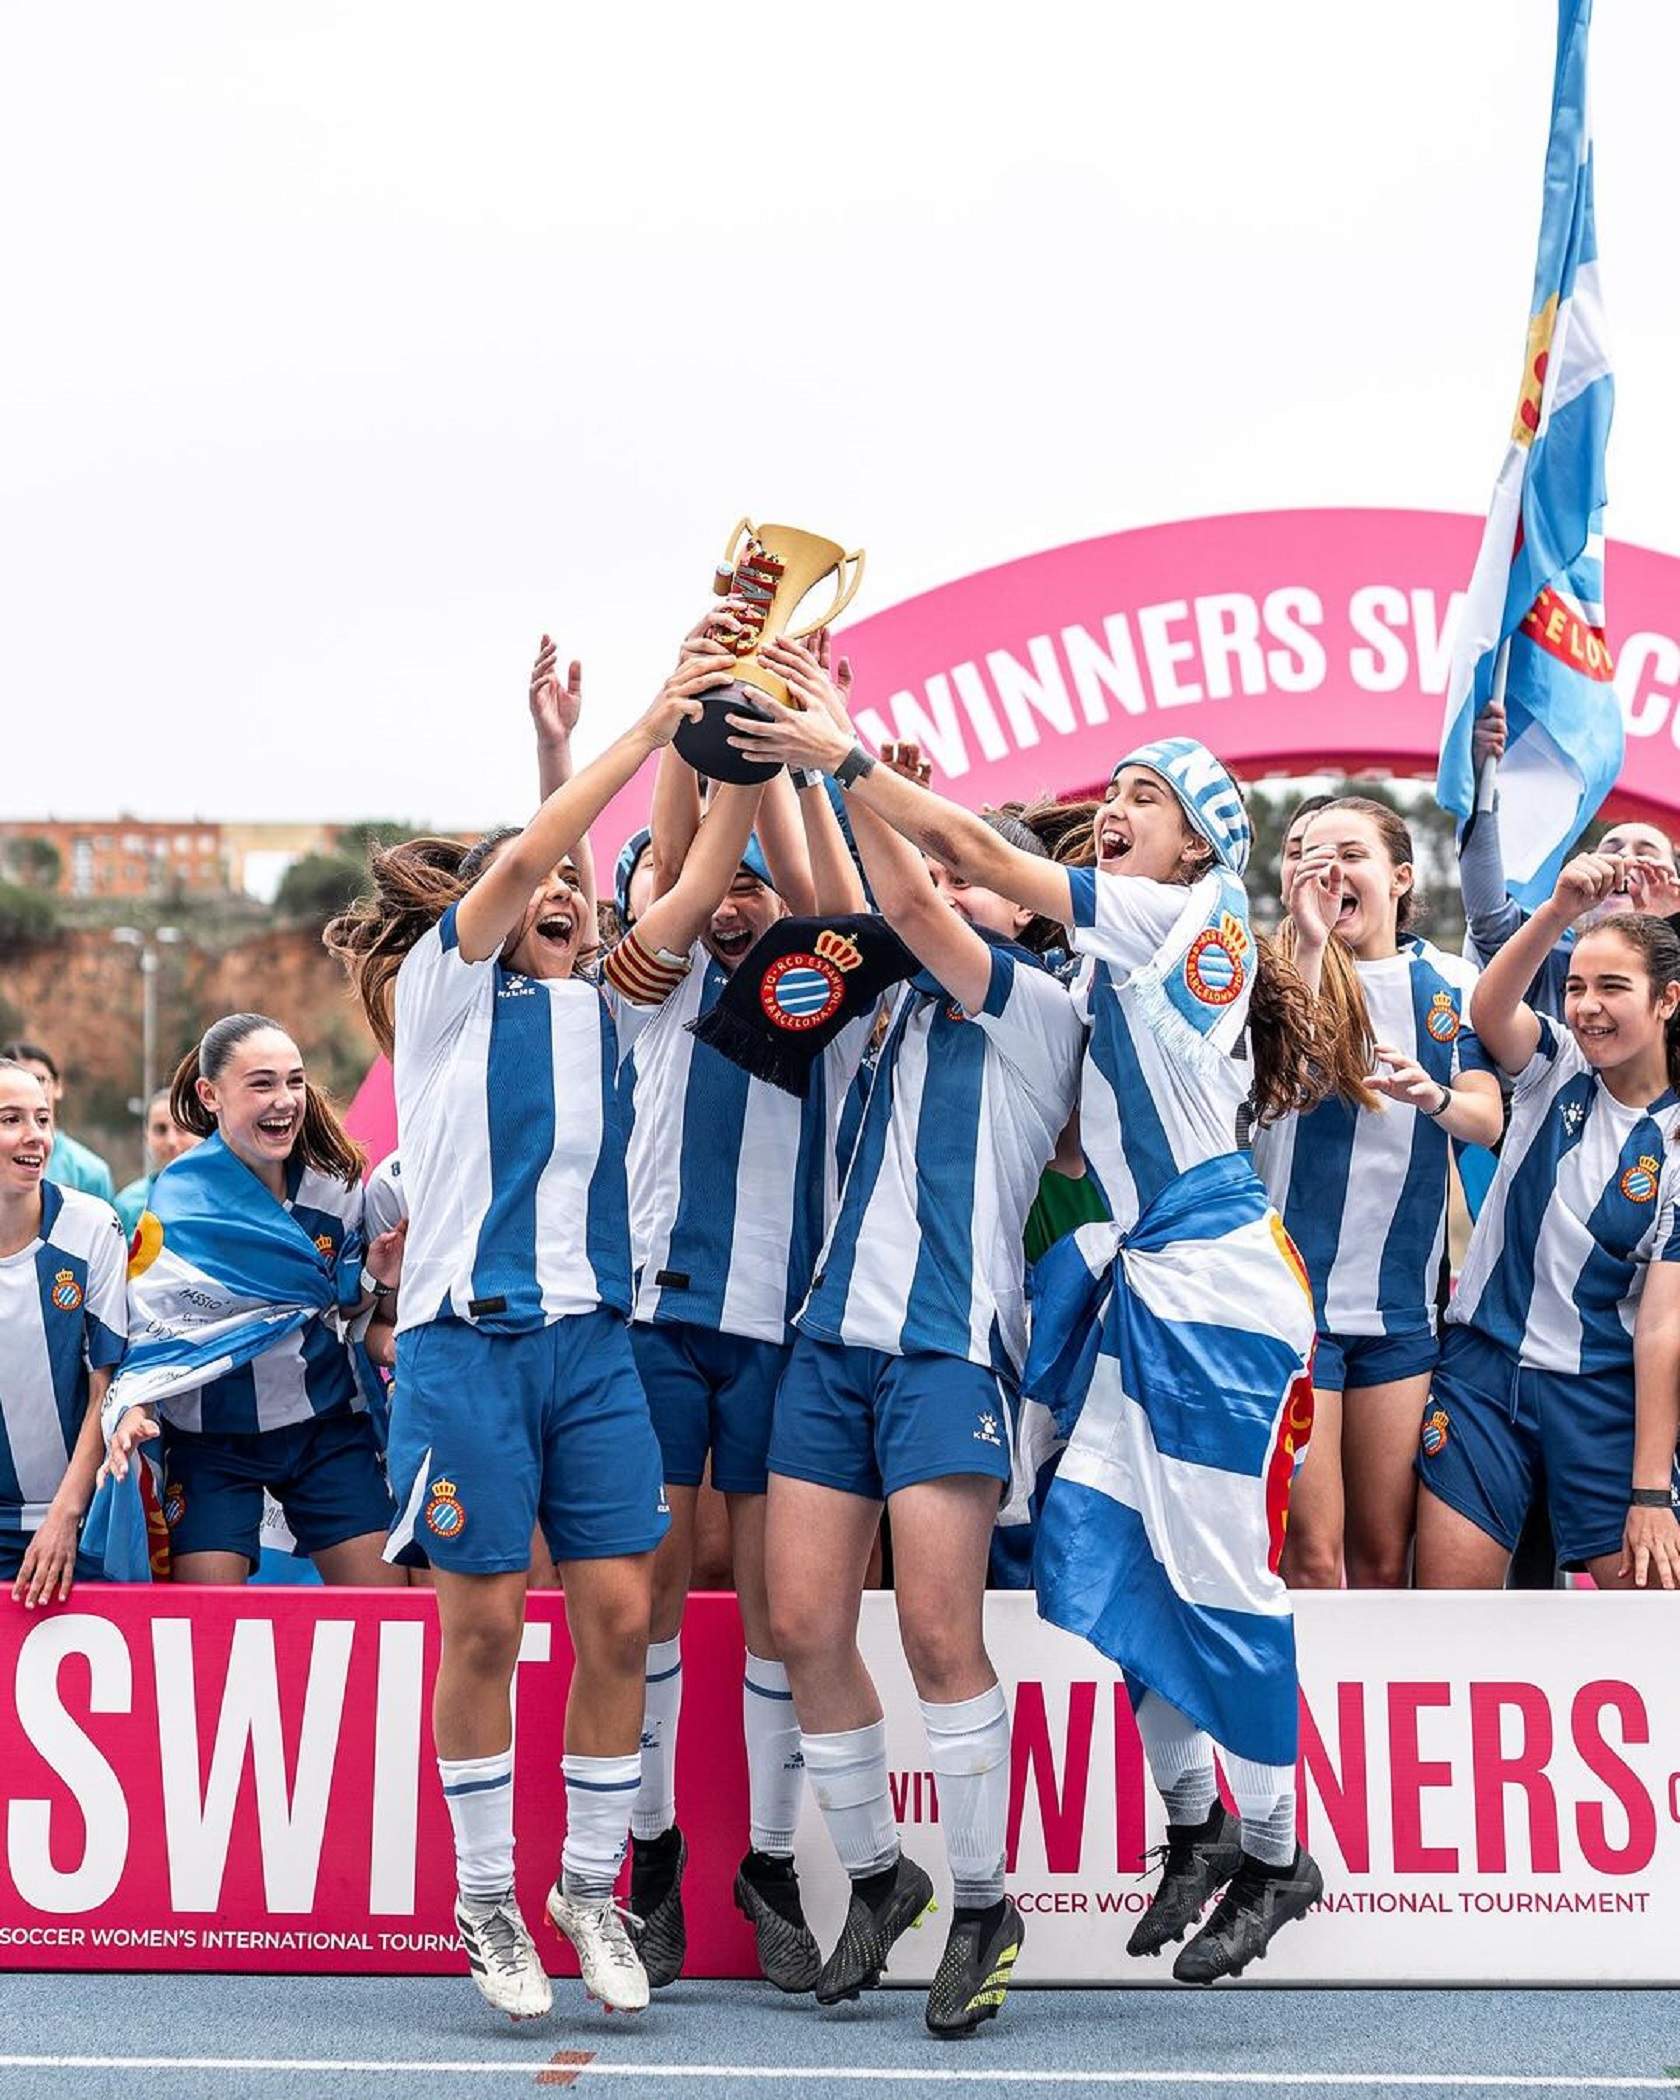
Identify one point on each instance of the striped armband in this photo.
(646, 977)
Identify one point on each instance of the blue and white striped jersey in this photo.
(1585, 1197)
(1165, 989)
(384, 1199)
(963, 1115)
(1363, 1192)
(63, 1311)
(303, 1375)
(512, 1143)
(732, 1181)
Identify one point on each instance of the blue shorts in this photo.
(869, 1424)
(1494, 1430)
(325, 1474)
(15, 1544)
(493, 1433)
(1361, 1360)
(710, 1392)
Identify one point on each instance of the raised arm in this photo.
(819, 735)
(1507, 1026)
(674, 922)
(491, 909)
(781, 833)
(923, 921)
(554, 711)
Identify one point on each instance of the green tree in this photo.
(28, 917)
(371, 835)
(318, 885)
(35, 862)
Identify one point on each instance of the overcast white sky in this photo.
(348, 347)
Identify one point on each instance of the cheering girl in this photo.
(1561, 1358)
(516, 1396)
(248, 1281)
(1362, 1184)
(1161, 1535)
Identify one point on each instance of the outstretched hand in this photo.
(555, 707)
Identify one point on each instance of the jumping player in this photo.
(1561, 1357)
(902, 1384)
(516, 1394)
(1362, 1186)
(1177, 992)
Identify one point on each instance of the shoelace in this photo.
(1176, 1851)
(504, 1939)
(1242, 1889)
(615, 1941)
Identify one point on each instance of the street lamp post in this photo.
(146, 954)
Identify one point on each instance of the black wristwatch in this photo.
(1651, 1498)
(857, 765)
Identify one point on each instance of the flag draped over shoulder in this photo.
(1162, 1531)
(218, 1273)
(1538, 584)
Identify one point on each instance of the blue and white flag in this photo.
(218, 1273)
(1162, 1531)
(1538, 584)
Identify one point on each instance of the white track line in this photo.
(528, 2068)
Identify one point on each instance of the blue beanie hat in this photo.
(1210, 799)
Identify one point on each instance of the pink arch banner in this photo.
(1291, 641)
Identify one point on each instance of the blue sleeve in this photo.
(1082, 893)
(1003, 978)
(447, 934)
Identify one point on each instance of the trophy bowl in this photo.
(769, 571)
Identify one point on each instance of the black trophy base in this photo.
(706, 746)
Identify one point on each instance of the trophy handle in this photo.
(848, 591)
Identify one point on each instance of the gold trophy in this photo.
(769, 570)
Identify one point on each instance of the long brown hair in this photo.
(323, 1143)
(414, 884)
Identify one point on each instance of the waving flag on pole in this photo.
(1533, 623)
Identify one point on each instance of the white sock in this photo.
(599, 1792)
(848, 1774)
(968, 1744)
(1180, 1759)
(1265, 1798)
(656, 1802)
(479, 1794)
(775, 1762)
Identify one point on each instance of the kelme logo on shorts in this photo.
(444, 1514)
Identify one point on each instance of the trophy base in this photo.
(706, 746)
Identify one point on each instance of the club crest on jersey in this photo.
(174, 1503)
(1639, 1182)
(66, 1291)
(1213, 970)
(1442, 1018)
(444, 1514)
(324, 1245)
(1433, 1440)
(801, 991)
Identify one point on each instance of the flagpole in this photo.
(1487, 779)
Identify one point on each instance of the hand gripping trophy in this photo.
(769, 571)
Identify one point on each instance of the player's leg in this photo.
(1379, 1454)
(1312, 1552)
(603, 1513)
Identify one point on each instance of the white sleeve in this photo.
(105, 1315)
(1122, 919)
(386, 1201)
(436, 987)
(1031, 1018)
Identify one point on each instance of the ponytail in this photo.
(414, 884)
(323, 1143)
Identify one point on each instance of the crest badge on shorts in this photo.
(1433, 1440)
(444, 1515)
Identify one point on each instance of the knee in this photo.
(941, 1654)
(612, 1636)
(801, 1637)
(1383, 1568)
(1313, 1564)
(487, 1646)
